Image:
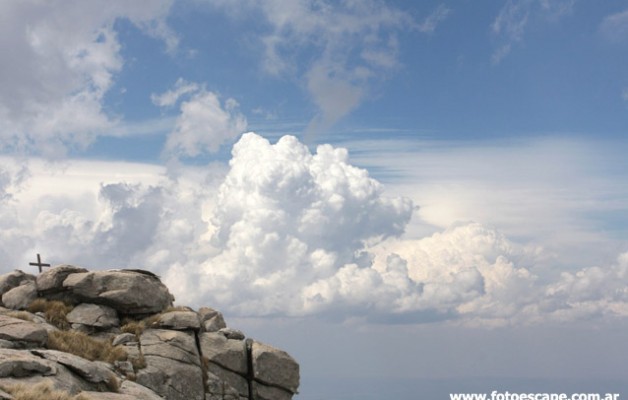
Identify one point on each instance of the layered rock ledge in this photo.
(116, 335)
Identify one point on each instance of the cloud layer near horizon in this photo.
(284, 232)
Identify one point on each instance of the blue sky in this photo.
(447, 178)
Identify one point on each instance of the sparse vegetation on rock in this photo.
(73, 334)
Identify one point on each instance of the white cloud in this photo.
(615, 26)
(286, 218)
(513, 19)
(282, 231)
(64, 56)
(171, 97)
(590, 292)
(204, 124)
(429, 24)
(337, 49)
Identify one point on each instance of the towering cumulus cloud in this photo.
(286, 218)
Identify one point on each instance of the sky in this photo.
(412, 198)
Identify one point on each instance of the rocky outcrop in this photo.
(128, 292)
(117, 336)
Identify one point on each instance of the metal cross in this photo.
(39, 264)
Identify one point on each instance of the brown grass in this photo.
(23, 315)
(139, 362)
(80, 344)
(42, 390)
(55, 311)
(136, 327)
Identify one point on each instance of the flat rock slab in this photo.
(130, 292)
(138, 391)
(173, 345)
(91, 371)
(106, 396)
(179, 320)
(95, 315)
(17, 330)
(21, 363)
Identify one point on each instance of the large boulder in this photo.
(22, 333)
(211, 320)
(128, 291)
(51, 281)
(274, 367)
(13, 279)
(20, 297)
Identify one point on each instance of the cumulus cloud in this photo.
(283, 231)
(590, 292)
(203, 124)
(286, 218)
(354, 44)
(63, 59)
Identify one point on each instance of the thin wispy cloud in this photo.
(513, 20)
(354, 45)
(431, 22)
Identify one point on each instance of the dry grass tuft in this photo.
(132, 326)
(42, 390)
(136, 327)
(82, 345)
(23, 315)
(55, 311)
(138, 362)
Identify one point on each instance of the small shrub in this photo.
(80, 344)
(55, 311)
(42, 390)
